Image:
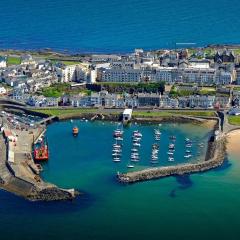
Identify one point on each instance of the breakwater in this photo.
(214, 158)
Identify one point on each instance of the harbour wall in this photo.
(214, 158)
(20, 178)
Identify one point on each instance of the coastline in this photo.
(41, 51)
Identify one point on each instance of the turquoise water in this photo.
(116, 26)
(188, 207)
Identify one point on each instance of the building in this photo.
(167, 74)
(67, 73)
(199, 63)
(121, 75)
(198, 101)
(224, 57)
(3, 90)
(3, 62)
(200, 76)
(223, 78)
(127, 115)
(105, 58)
(149, 99)
(183, 102)
(27, 59)
(222, 101)
(238, 76)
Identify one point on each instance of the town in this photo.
(203, 78)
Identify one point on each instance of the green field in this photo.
(66, 112)
(70, 62)
(59, 89)
(13, 61)
(174, 113)
(234, 120)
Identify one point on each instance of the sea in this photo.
(117, 26)
(198, 206)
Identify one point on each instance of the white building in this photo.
(3, 90)
(3, 62)
(199, 63)
(73, 73)
(121, 75)
(127, 114)
(199, 75)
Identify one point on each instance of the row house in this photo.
(149, 99)
(223, 78)
(41, 101)
(183, 102)
(121, 75)
(167, 102)
(198, 101)
(199, 76)
(222, 101)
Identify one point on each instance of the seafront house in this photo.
(222, 101)
(183, 102)
(198, 101)
(148, 99)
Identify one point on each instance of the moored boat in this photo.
(130, 166)
(41, 153)
(75, 131)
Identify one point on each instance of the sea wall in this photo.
(214, 158)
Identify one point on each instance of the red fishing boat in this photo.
(41, 153)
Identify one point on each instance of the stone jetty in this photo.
(214, 158)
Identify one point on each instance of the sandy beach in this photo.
(233, 146)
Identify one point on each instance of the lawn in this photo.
(174, 113)
(61, 112)
(70, 62)
(234, 120)
(207, 91)
(13, 61)
(59, 89)
(56, 90)
(65, 112)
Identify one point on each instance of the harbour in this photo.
(71, 164)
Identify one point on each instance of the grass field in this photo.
(70, 62)
(13, 61)
(67, 112)
(174, 113)
(234, 120)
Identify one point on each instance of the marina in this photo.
(71, 163)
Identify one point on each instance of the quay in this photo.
(19, 174)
